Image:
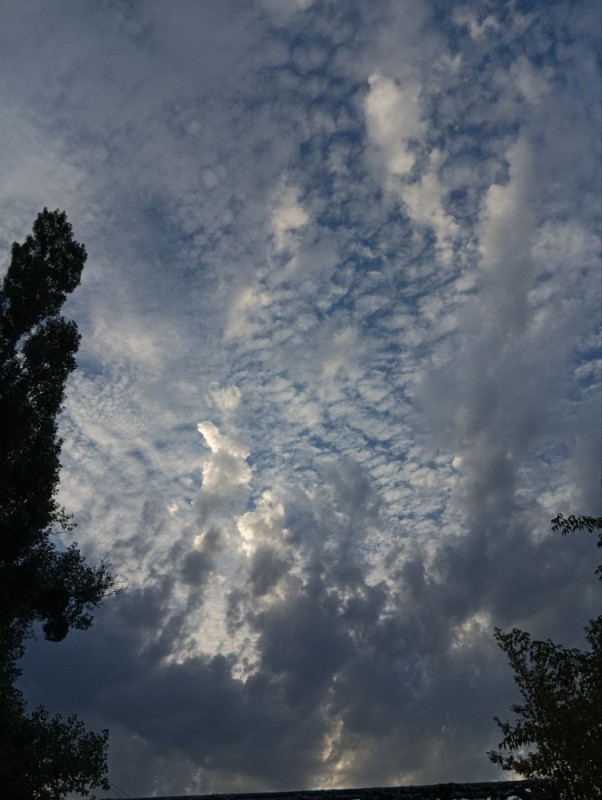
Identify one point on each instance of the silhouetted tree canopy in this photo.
(40, 580)
(558, 730)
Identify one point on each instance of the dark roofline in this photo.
(493, 790)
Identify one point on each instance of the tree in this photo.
(558, 732)
(41, 581)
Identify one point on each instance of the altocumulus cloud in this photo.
(340, 365)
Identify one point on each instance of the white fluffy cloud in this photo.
(395, 121)
(288, 217)
(227, 466)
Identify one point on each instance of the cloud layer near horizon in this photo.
(340, 366)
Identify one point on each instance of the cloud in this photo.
(425, 201)
(263, 525)
(226, 399)
(226, 467)
(479, 26)
(394, 121)
(288, 217)
(283, 9)
(244, 318)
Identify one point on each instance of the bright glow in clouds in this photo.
(227, 465)
(264, 525)
(340, 365)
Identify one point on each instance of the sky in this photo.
(340, 366)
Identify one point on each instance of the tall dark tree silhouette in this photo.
(41, 581)
(557, 734)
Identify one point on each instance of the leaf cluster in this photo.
(44, 757)
(557, 734)
(572, 524)
(41, 581)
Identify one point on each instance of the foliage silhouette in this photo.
(558, 732)
(40, 580)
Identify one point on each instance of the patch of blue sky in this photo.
(587, 375)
